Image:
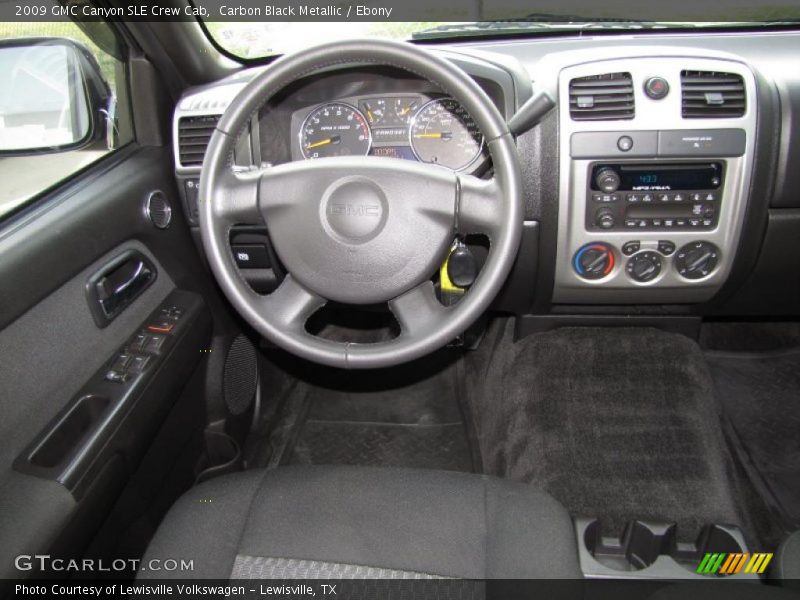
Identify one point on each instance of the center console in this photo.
(655, 165)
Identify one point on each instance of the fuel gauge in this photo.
(375, 111)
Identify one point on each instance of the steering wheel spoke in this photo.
(292, 304)
(234, 197)
(480, 204)
(418, 310)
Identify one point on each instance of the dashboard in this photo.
(657, 180)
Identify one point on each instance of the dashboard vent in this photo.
(712, 95)
(601, 97)
(194, 133)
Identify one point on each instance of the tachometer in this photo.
(443, 133)
(335, 129)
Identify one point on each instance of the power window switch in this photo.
(138, 363)
(138, 342)
(155, 343)
(121, 362)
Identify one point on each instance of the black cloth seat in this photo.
(360, 522)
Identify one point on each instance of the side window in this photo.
(63, 104)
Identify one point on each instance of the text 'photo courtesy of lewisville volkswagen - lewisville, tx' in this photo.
(400, 299)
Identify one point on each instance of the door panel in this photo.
(52, 350)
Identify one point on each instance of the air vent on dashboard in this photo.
(712, 95)
(601, 97)
(194, 133)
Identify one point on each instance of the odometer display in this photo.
(335, 129)
(444, 133)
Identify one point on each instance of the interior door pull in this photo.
(117, 284)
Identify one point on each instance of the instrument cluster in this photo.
(434, 130)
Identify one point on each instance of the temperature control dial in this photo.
(696, 260)
(594, 261)
(644, 267)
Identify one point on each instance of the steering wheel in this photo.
(361, 230)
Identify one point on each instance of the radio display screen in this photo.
(707, 176)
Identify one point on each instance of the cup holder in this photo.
(222, 455)
(651, 549)
(639, 546)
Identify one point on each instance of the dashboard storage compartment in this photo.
(651, 550)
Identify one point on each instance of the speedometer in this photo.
(335, 129)
(443, 133)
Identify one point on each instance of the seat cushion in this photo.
(340, 522)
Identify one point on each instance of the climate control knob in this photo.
(644, 267)
(594, 261)
(696, 260)
(607, 180)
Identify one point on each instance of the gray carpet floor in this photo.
(615, 423)
(760, 395)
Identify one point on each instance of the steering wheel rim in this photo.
(437, 203)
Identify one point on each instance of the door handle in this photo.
(117, 284)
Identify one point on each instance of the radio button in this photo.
(664, 197)
(708, 222)
(656, 222)
(695, 222)
(633, 197)
(678, 197)
(710, 197)
(630, 222)
(697, 197)
(647, 198)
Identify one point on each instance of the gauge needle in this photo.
(325, 142)
(433, 136)
(371, 117)
(406, 110)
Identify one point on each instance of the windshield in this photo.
(250, 40)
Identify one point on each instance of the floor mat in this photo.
(615, 423)
(760, 395)
(407, 416)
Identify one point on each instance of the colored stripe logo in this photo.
(732, 563)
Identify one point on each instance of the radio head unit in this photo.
(653, 196)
